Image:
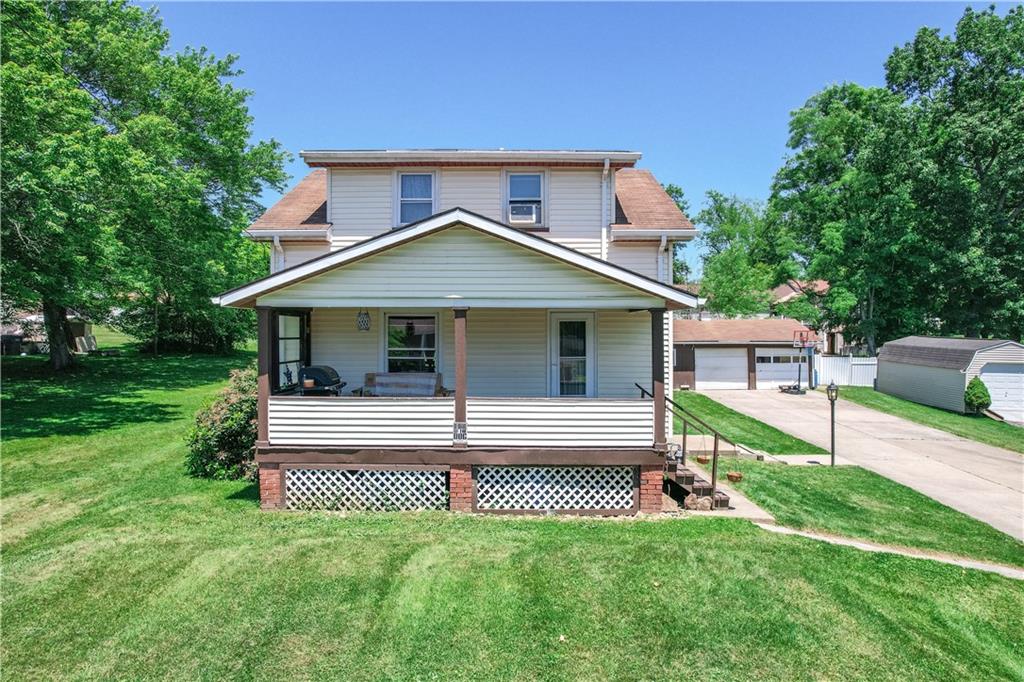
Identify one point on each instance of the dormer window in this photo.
(416, 197)
(525, 199)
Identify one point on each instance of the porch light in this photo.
(363, 320)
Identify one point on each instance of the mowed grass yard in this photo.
(738, 427)
(973, 427)
(117, 565)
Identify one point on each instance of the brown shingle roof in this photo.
(304, 207)
(935, 351)
(772, 329)
(794, 287)
(641, 202)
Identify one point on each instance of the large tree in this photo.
(127, 171)
(908, 199)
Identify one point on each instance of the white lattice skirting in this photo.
(365, 489)
(554, 488)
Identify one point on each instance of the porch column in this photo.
(459, 432)
(264, 352)
(658, 374)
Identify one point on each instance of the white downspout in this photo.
(604, 210)
(278, 249)
(662, 249)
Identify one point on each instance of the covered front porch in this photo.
(534, 352)
(531, 398)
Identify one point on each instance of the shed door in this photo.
(780, 367)
(1005, 383)
(719, 368)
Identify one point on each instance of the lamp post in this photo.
(833, 392)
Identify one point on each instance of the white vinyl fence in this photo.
(845, 370)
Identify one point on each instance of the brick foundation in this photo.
(651, 481)
(461, 488)
(271, 495)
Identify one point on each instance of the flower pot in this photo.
(734, 476)
(703, 459)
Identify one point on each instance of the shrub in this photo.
(976, 396)
(222, 442)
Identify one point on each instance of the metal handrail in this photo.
(685, 415)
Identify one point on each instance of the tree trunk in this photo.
(55, 319)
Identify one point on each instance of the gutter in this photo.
(662, 249)
(271, 234)
(628, 233)
(278, 249)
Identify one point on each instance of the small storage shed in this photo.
(935, 371)
(738, 354)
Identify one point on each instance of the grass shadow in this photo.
(250, 493)
(102, 392)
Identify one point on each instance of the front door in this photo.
(572, 355)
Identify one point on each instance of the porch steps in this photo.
(692, 483)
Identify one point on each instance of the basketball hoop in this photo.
(804, 339)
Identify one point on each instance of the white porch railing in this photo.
(546, 422)
(490, 422)
(361, 422)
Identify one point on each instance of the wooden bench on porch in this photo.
(403, 385)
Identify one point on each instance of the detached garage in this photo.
(935, 371)
(738, 354)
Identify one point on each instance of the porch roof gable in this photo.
(246, 295)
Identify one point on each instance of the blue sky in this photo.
(703, 90)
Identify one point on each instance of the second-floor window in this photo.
(525, 199)
(416, 197)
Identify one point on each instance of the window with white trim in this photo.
(415, 197)
(412, 343)
(525, 199)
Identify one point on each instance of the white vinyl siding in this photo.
(361, 205)
(573, 206)
(335, 341)
(935, 386)
(459, 266)
(477, 190)
(559, 422)
(623, 353)
(1009, 352)
(361, 422)
(641, 258)
(300, 252)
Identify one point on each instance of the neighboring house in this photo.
(832, 340)
(739, 354)
(935, 371)
(494, 311)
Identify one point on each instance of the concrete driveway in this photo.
(980, 480)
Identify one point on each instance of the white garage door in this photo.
(1005, 383)
(780, 367)
(720, 368)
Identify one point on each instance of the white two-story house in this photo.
(466, 329)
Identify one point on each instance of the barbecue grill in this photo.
(325, 378)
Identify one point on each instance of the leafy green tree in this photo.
(681, 272)
(805, 308)
(909, 199)
(127, 172)
(966, 95)
(738, 272)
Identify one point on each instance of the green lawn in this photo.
(858, 503)
(108, 338)
(740, 428)
(974, 427)
(117, 565)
